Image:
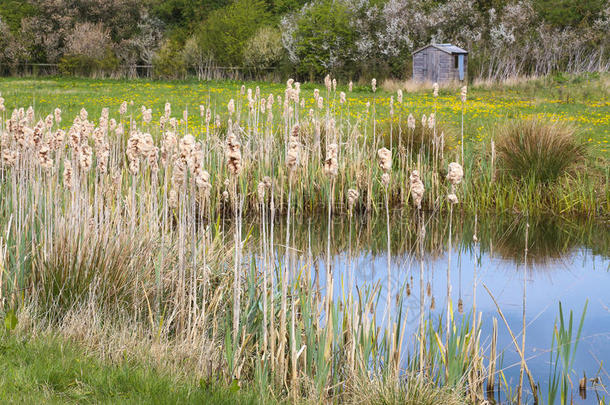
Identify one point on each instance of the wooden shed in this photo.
(440, 63)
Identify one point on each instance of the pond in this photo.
(568, 262)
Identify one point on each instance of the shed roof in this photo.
(448, 48)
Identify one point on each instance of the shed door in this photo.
(461, 66)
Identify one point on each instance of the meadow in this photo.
(157, 219)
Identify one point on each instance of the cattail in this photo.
(48, 121)
(44, 159)
(172, 200)
(334, 84)
(320, 103)
(185, 115)
(57, 114)
(260, 190)
(342, 97)
(428, 289)
(374, 85)
(352, 197)
(399, 96)
(225, 195)
(432, 304)
(289, 83)
(350, 86)
(385, 159)
(424, 120)
(202, 180)
(68, 174)
(452, 198)
(411, 121)
(464, 93)
(331, 165)
(231, 107)
(83, 114)
(294, 149)
(2, 107)
(385, 179)
(146, 115)
(122, 108)
(328, 83)
(460, 306)
(417, 188)
(85, 158)
(57, 139)
(431, 120)
(9, 157)
(233, 154)
(455, 174)
(435, 90)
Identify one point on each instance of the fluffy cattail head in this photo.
(411, 121)
(123, 108)
(233, 153)
(327, 82)
(231, 107)
(399, 96)
(435, 89)
(350, 86)
(260, 191)
(331, 165)
(385, 159)
(417, 188)
(374, 85)
(452, 198)
(464, 93)
(455, 173)
(68, 174)
(294, 149)
(385, 179)
(352, 197)
(342, 97)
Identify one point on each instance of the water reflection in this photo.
(567, 261)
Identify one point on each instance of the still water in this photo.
(567, 262)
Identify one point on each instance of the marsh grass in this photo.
(538, 150)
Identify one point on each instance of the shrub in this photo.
(264, 49)
(169, 61)
(537, 150)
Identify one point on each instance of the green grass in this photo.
(53, 370)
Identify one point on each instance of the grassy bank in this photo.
(52, 369)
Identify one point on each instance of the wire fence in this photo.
(203, 72)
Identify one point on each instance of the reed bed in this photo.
(124, 220)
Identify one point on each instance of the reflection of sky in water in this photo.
(571, 278)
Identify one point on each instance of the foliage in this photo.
(168, 62)
(264, 49)
(227, 30)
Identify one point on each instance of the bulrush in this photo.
(455, 174)
(385, 159)
(399, 96)
(352, 197)
(233, 154)
(464, 93)
(231, 107)
(85, 158)
(374, 85)
(435, 89)
(331, 165)
(411, 121)
(417, 188)
(68, 175)
(294, 149)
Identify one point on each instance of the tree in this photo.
(226, 30)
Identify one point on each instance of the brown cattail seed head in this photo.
(331, 165)
(455, 173)
(385, 159)
(233, 154)
(352, 197)
(417, 188)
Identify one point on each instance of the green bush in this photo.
(169, 61)
(264, 49)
